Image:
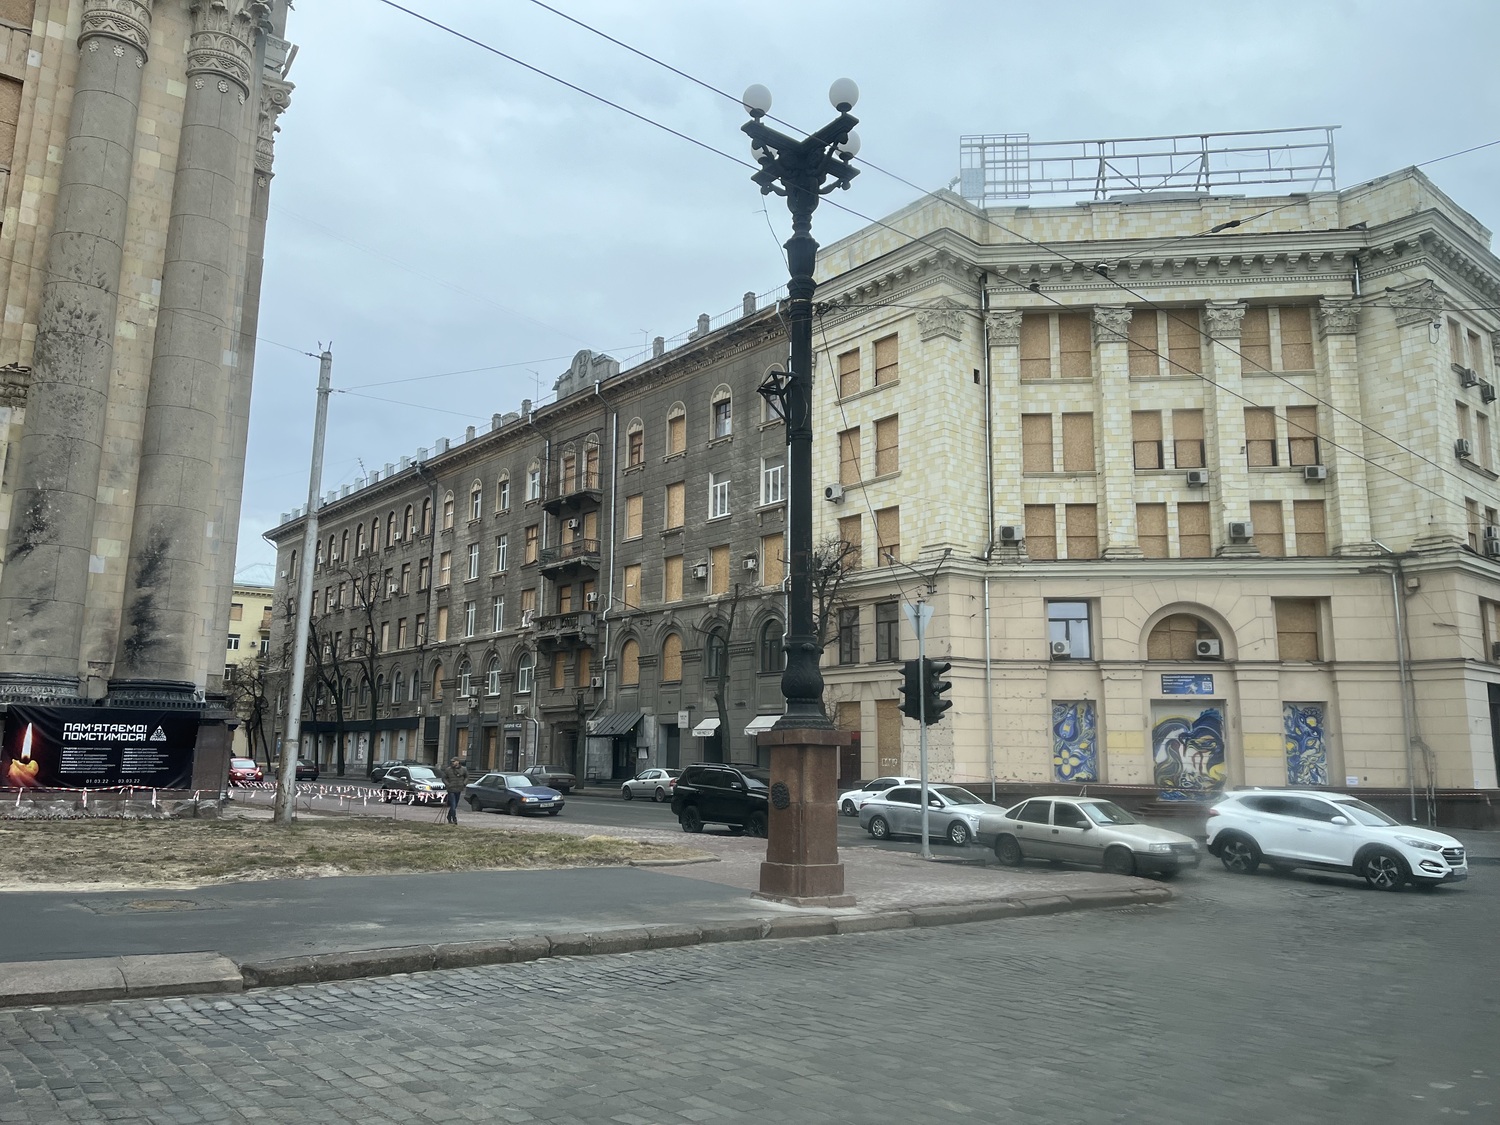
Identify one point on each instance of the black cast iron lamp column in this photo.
(802, 171)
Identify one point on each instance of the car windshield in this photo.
(1362, 813)
(422, 773)
(242, 763)
(516, 781)
(1107, 812)
(956, 795)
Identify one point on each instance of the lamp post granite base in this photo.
(802, 865)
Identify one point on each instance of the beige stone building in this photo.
(247, 643)
(1202, 505)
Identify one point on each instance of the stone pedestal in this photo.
(802, 854)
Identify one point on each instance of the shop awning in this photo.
(614, 724)
(706, 728)
(760, 723)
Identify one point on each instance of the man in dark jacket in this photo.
(455, 777)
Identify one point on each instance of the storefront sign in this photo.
(97, 748)
(1186, 683)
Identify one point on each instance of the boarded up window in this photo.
(1083, 531)
(1456, 343)
(1041, 531)
(1194, 539)
(10, 114)
(1463, 421)
(1036, 443)
(887, 445)
(887, 368)
(1476, 353)
(1075, 346)
(671, 659)
(1260, 436)
(1151, 529)
(635, 508)
(630, 664)
(1255, 340)
(1302, 435)
(851, 532)
(772, 563)
(671, 578)
(1473, 515)
(1296, 338)
(847, 718)
(1489, 616)
(718, 570)
(1177, 637)
(849, 373)
(1265, 519)
(1297, 629)
(888, 534)
(1310, 523)
(1187, 439)
(1144, 362)
(849, 456)
(1482, 438)
(633, 586)
(888, 735)
(1036, 346)
(676, 504)
(677, 434)
(1184, 342)
(1078, 443)
(559, 674)
(585, 666)
(1145, 434)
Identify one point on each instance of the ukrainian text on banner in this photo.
(97, 748)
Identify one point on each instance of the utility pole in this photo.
(291, 746)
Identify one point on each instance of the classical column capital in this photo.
(127, 21)
(944, 317)
(1421, 302)
(275, 96)
(1111, 324)
(1337, 317)
(1223, 319)
(1004, 327)
(222, 45)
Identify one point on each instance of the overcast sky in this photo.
(437, 208)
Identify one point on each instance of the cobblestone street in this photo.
(1268, 999)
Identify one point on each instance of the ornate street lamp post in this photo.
(802, 854)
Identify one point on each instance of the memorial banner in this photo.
(97, 748)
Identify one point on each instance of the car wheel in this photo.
(690, 820)
(756, 825)
(880, 828)
(514, 808)
(626, 793)
(1384, 870)
(1119, 861)
(848, 809)
(475, 805)
(736, 829)
(1008, 851)
(958, 834)
(1239, 855)
(660, 795)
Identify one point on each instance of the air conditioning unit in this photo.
(1206, 649)
(391, 589)
(1467, 376)
(596, 681)
(1010, 533)
(1486, 390)
(590, 600)
(286, 574)
(833, 493)
(518, 709)
(1197, 478)
(1061, 649)
(1314, 474)
(1463, 449)
(1492, 548)
(528, 618)
(752, 563)
(700, 571)
(574, 525)
(1491, 531)
(1241, 531)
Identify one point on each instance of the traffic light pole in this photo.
(919, 615)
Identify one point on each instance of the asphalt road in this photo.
(1250, 1000)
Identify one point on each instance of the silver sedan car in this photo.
(654, 783)
(954, 814)
(1086, 830)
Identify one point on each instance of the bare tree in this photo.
(717, 636)
(324, 672)
(370, 584)
(832, 560)
(249, 688)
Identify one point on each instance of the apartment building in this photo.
(247, 643)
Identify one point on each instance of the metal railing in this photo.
(578, 549)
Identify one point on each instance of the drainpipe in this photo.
(1403, 665)
(989, 543)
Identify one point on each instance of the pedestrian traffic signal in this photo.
(933, 687)
(911, 689)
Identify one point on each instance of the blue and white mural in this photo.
(1187, 749)
(1306, 750)
(1075, 746)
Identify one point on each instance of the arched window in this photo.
(569, 467)
(534, 481)
(380, 690)
(437, 680)
(772, 658)
(635, 444)
(408, 524)
(767, 411)
(344, 544)
(392, 532)
(502, 493)
(359, 540)
(476, 501)
(318, 553)
(292, 570)
(398, 687)
(465, 680)
(676, 429)
(426, 516)
(525, 673)
(1176, 638)
(448, 512)
(375, 533)
(348, 696)
(332, 557)
(721, 417)
(630, 664)
(492, 676)
(716, 652)
(591, 464)
(671, 659)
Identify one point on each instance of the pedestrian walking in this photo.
(455, 777)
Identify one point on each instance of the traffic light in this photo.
(911, 688)
(933, 687)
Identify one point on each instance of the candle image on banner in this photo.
(73, 748)
(21, 770)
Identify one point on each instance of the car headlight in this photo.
(1422, 845)
(1158, 848)
(531, 798)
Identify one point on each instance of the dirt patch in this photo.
(125, 853)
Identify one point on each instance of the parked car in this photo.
(514, 793)
(305, 771)
(656, 784)
(850, 801)
(554, 777)
(244, 769)
(954, 813)
(419, 784)
(1329, 832)
(1090, 831)
(717, 794)
(378, 770)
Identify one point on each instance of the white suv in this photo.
(1330, 831)
(852, 801)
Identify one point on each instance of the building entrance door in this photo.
(673, 749)
(1494, 690)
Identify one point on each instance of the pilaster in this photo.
(1116, 441)
(1348, 487)
(1225, 422)
(1003, 332)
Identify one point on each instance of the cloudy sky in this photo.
(438, 208)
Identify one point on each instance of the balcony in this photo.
(572, 490)
(580, 554)
(564, 630)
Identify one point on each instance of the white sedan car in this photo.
(654, 783)
(850, 802)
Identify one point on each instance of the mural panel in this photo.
(1306, 750)
(1187, 749)
(1075, 747)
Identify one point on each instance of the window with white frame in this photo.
(234, 642)
(465, 680)
(502, 545)
(534, 483)
(471, 618)
(473, 560)
(723, 420)
(772, 480)
(502, 495)
(525, 674)
(476, 501)
(492, 676)
(497, 614)
(718, 495)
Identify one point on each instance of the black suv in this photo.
(715, 794)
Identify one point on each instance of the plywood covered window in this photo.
(671, 583)
(676, 429)
(533, 539)
(1298, 629)
(1176, 637)
(635, 515)
(1296, 337)
(1078, 443)
(1255, 340)
(1187, 439)
(1482, 438)
(849, 456)
(1194, 537)
(1145, 434)
(1083, 531)
(1036, 346)
(1270, 535)
(1151, 529)
(849, 373)
(718, 570)
(1302, 435)
(1184, 342)
(630, 664)
(1472, 508)
(1036, 443)
(1075, 346)
(676, 506)
(887, 361)
(1260, 436)
(887, 445)
(888, 534)
(1310, 523)
(632, 586)
(1143, 345)
(671, 659)
(851, 534)
(10, 105)
(635, 444)
(1041, 531)
(772, 563)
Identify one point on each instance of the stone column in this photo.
(43, 588)
(189, 390)
(1116, 443)
(1349, 511)
(1225, 422)
(1003, 327)
(1425, 395)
